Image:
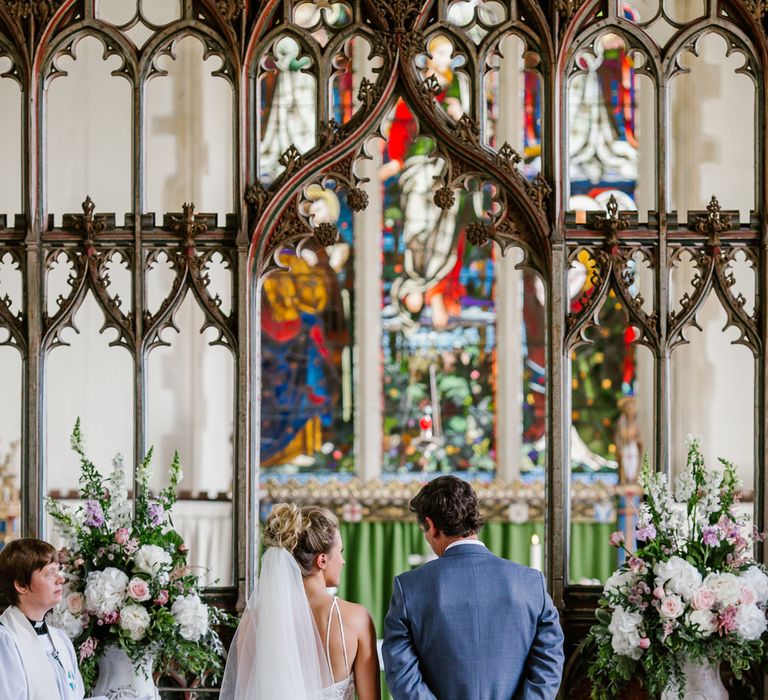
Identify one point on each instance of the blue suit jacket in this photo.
(472, 626)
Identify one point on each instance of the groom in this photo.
(468, 625)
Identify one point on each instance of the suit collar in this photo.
(467, 550)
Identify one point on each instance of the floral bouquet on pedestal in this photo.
(691, 593)
(128, 584)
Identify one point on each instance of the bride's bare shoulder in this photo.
(355, 616)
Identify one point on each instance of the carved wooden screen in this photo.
(308, 88)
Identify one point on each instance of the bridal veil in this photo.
(276, 652)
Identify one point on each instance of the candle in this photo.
(535, 553)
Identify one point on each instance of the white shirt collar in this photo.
(458, 542)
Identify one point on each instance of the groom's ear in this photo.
(429, 526)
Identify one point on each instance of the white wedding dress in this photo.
(276, 652)
(344, 689)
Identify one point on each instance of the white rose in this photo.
(625, 638)
(134, 619)
(105, 590)
(755, 578)
(679, 576)
(62, 618)
(750, 622)
(726, 587)
(75, 603)
(191, 615)
(619, 582)
(671, 607)
(152, 560)
(705, 619)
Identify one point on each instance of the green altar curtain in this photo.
(376, 552)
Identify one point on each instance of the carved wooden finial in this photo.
(189, 226)
(612, 223)
(714, 223)
(88, 225)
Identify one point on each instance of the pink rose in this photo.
(75, 603)
(644, 642)
(162, 597)
(122, 535)
(138, 589)
(671, 607)
(78, 563)
(703, 599)
(658, 592)
(616, 539)
(183, 549)
(748, 595)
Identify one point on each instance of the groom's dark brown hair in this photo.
(451, 504)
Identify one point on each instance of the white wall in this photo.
(712, 143)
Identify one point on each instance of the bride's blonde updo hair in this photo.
(304, 532)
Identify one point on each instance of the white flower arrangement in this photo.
(128, 582)
(692, 590)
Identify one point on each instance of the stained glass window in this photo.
(307, 322)
(603, 145)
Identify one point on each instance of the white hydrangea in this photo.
(62, 618)
(135, 620)
(625, 635)
(706, 621)
(152, 560)
(755, 578)
(726, 587)
(191, 615)
(678, 576)
(750, 622)
(105, 590)
(619, 582)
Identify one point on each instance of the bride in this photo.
(295, 640)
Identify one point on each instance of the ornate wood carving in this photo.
(39, 10)
(14, 323)
(89, 271)
(190, 267)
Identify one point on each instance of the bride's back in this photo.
(339, 629)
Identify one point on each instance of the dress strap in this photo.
(335, 606)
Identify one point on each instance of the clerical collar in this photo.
(40, 627)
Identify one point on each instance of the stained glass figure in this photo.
(306, 349)
(602, 139)
(288, 105)
(438, 310)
